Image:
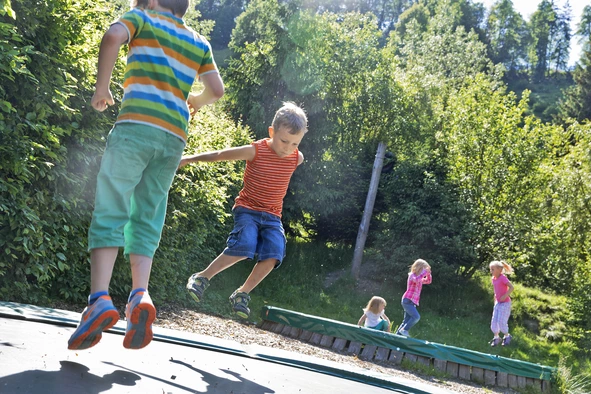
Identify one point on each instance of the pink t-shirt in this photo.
(501, 286)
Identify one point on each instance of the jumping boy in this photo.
(143, 151)
(257, 210)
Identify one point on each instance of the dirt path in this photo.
(191, 321)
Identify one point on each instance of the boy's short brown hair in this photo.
(178, 7)
(291, 117)
(140, 3)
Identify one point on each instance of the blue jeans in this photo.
(258, 234)
(411, 315)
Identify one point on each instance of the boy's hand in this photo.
(184, 162)
(194, 102)
(101, 100)
(192, 109)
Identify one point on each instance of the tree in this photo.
(576, 103)
(560, 45)
(550, 39)
(224, 14)
(421, 214)
(49, 143)
(494, 155)
(506, 34)
(584, 27)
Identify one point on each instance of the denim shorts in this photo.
(258, 234)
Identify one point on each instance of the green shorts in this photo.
(136, 172)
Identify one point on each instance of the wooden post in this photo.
(354, 348)
(339, 344)
(294, 332)
(382, 354)
(490, 377)
(464, 372)
(440, 365)
(368, 352)
(306, 335)
(395, 357)
(477, 375)
(367, 211)
(326, 341)
(502, 379)
(315, 339)
(452, 369)
(410, 357)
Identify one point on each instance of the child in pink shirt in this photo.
(502, 309)
(419, 275)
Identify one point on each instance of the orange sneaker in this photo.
(140, 313)
(95, 319)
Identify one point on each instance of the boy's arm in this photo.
(300, 158)
(246, 152)
(213, 90)
(112, 41)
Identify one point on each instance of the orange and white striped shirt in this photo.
(266, 179)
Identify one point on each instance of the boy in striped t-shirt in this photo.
(143, 151)
(257, 211)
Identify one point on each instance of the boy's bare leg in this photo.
(220, 263)
(259, 272)
(141, 266)
(102, 315)
(140, 312)
(102, 261)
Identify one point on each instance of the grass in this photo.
(451, 314)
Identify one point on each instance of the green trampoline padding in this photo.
(414, 346)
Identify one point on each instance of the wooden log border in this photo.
(383, 355)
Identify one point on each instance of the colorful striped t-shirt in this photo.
(266, 179)
(164, 59)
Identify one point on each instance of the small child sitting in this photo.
(374, 315)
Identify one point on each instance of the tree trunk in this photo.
(369, 202)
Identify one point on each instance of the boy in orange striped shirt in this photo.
(258, 231)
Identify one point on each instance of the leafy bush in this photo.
(49, 142)
(50, 148)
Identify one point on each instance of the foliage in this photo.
(550, 39)
(507, 36)
(50, 149)
(568, 382)
(419, 216)
(584, 27)
(49, 142)
(576, 103)
(493, 159)
(222, 14)
(473, 173)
